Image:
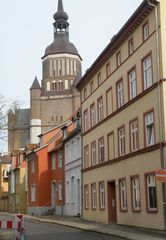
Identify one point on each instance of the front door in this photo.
(111, 202)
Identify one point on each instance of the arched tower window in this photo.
(48, 86)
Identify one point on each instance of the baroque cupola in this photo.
(61, 43)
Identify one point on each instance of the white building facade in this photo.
(73, 173)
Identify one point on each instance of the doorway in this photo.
(112, 210)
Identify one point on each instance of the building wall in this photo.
(73, 176)
(115, 167)
(40, 177)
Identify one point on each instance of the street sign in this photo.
(161, 175)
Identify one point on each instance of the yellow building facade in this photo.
(5, 163)
(18, 184)
(123, 98)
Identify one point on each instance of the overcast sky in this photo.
(26, 30)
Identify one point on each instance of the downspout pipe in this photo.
(159, 100)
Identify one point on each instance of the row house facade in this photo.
(5, 165)
(17, 190)
(123, 116)
(51, 172)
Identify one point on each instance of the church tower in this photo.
(61, 70)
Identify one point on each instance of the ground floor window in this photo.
(123, 195)
(151, 192)
(102, 195)
(86, 196)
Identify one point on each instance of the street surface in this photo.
(44, 231)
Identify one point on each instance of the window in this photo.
(54, 86)
(118, 59)
(108, 69)
(102, 195)
(86, 125)
(60, 156)
(100, 109)
(72, 190)
(86, 196)
(33, 165)
(131, 46)
(134, 135)
(60, 194)
(109, 101)
(33, 193)
(151, 192)
(120, 94)
(61, 86)
(67, 192)
(135, 193)
(101, 150)
(92, 115)
(132, 84)
(86, 156)
(53, 161)
(149, 129)
(145, 31)
(94, 196)
(93, 153)
(121, 134)
(123, 195)
(85, 93)
(111, 146)
(147, 72)
(92, 87)
(99, 79)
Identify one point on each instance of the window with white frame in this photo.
(93, 153)
(33, 165)
(147, 72)
(94, 196)
(131, 46)
(120, 94)
(102, 195)
(33, 193)
(121, 141)
(60, 157)
(86, 196)
(123, 194)
(151, 192)
(53, 161)
(135, 193)
(132, 83)
(145, 31)
(118, 59)
(100, 109)
(101, 150)
(60, 194)
(93, 115)
(86, 156)
(149, 129)
(134, 135)
(86, 125)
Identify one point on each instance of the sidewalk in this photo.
(125, 232)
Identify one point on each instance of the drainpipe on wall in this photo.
(82, 187)
(159, 105)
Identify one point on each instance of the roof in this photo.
(35, 84)
(5, 159)
(22, 119)
(128, 28)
